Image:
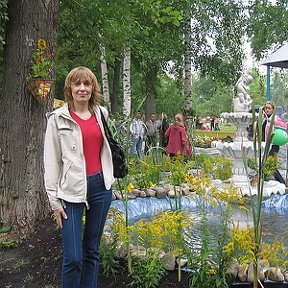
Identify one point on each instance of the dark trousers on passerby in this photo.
(274, 151)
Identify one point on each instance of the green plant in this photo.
(42, 64)
(218, 167)
(108, 257)
(20, 264)
(207, 259)
(260, 156)
(269, 166)
(7, 244)
(147, 271)
(4, 228)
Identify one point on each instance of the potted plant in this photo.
(39, 80)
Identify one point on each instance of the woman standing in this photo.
(268, 110)
(177, 137)
(78, 176)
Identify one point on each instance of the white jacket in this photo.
(64, 162)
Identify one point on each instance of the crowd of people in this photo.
(209, 123)
(170, 135)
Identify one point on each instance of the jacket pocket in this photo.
(66, 167)
(72, 178)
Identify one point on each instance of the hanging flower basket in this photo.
(40, 89)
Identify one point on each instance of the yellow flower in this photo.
(41, 43)
(42, 65)
(130, 187)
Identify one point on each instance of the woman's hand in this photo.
(58, 215)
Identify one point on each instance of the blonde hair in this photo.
(82, 73)
(178, 117)
(270, 103)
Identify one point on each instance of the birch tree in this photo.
(187, 66)
(105, 82)
(126, 82)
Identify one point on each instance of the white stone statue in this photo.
(243, 101)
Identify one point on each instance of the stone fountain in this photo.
(241, 147)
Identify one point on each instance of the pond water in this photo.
(274, 214)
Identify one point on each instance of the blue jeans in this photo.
(136, 146)
(81, 254)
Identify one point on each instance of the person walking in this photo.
(78, 176)
(137, 134)
(163, 129)
(152, 132)
(268, 111)
(177, 137)
(216, 123)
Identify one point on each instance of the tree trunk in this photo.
(151, 91)
(126, 82)
(23, 200)
(187, 67)
(105, 82)
(116, 85)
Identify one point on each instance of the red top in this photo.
(177, 139)
(92, 142)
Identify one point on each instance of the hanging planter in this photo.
(40, 89)
(39, 81)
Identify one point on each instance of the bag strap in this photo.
(105, 125)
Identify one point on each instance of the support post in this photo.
(268, 92)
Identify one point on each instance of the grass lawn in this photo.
(225, 130)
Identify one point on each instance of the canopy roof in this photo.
(279, 58)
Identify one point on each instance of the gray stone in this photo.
(242, 274)
(233, 270)
(275, 274)
(160, 192)
(150, 192)
(169, 261)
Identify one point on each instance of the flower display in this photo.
(42, 62)
(39, 80)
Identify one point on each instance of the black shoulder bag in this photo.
(120, 166)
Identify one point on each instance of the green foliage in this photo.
(147, 271)
(207, 258)
(269, 166)
(215, 167)
(108, 257)
(7, 244)
(279, 89)
(267, 25)
(218, 167)
(257, 87)
(4, 228)
(211, 97)
(168, 90)
(150, 177)
(163, 232)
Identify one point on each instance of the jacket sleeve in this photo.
(183, 136)
(52, 162)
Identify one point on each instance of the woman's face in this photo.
(268, 109)
(81, 90)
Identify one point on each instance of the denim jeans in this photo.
(81, 246)
(136, 146)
